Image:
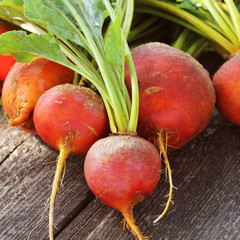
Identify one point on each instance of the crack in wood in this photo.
(89, 197)
(11, 152)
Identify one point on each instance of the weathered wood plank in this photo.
(26, 170)
(205, 172)
(9, 139)
(207, 202)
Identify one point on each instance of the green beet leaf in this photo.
(114, 47)
(25, 47)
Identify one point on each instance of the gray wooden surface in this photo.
(206, 173)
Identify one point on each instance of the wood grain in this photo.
(27, 170)
(206, 202)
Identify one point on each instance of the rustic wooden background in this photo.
(206, 173)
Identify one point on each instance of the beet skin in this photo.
(176, 94)
(122, 171)
(72, 116)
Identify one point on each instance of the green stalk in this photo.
(82, 70)
(75, 78)
(128, 7)
(197, 47)
(183, 40)
(87, 68)
(132, 126)
(235, 16)
(117, 104)
(123, 89)
(142, 29)
(152, 34)
(225, 15)
(212, 34)
(221, 22)
(128, 16)
(190, 43)
(172, 18)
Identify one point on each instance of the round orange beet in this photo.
(69, 118)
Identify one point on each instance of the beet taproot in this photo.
(69, 118)
(121, 171)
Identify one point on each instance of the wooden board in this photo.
(206, 202)
(27, 170)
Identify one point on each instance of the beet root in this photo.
(226, 82)
(122, 171)
(69, 118)
(176, 94)
(176, 98)
(25, 83)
